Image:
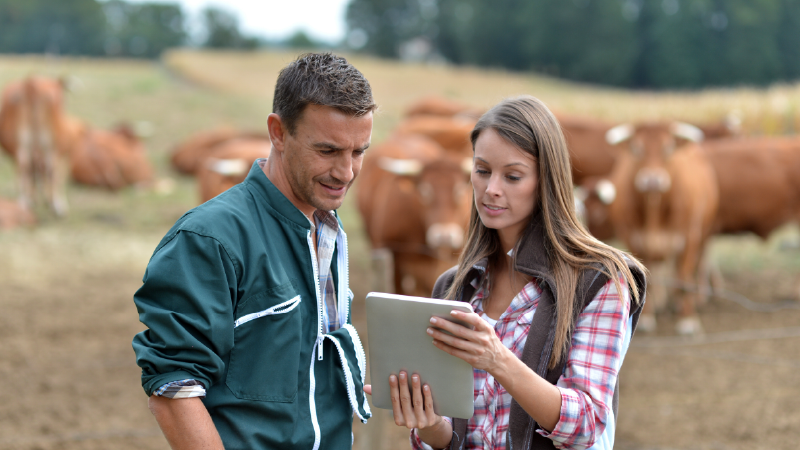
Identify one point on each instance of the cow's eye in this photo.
(426, 192)
(460, 190)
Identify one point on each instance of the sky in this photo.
(322, 20)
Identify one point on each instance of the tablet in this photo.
(397, 338)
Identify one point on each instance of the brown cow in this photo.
(758, 181)
(109, 158)
(187, 157)
(592, 159)
(665, 205)
(414, 198)
(439, 106)
(13, 215)
(452, 133)
(229, 164)
(33, 131)
(592, 156)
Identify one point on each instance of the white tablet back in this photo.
(397, 338)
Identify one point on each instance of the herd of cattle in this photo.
(49, 147)
(661, 188)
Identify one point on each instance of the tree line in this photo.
(631, 43)
(117, 28)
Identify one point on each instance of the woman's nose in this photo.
(493, 188)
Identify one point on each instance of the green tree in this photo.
(638, 43)
(143, 29)
(222, 30)
(389, 23)
(54, 26)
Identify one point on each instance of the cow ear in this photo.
(409, 167)
(606, 191)
(686, 131)
(466, 165)
(619, 134)
(228, 167)
(70, 83)
(733, 121)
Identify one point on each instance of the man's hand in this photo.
(185, 423)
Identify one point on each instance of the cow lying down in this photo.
(111, 159)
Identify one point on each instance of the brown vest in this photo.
(532, 261)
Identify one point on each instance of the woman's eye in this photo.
(513, 178)
(481, 171)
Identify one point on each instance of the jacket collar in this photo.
(532, 253)
(258, 183)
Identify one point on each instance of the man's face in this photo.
(323, 156)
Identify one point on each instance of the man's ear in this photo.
(277, 132)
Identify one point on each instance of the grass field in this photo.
(70, 380)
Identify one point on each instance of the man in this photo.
(246, 298)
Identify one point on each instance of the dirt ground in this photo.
(69, 378)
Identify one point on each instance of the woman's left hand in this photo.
(480, 347)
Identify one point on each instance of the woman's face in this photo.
(505, 181)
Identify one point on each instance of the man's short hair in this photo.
(321, 79)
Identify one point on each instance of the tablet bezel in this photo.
(393, 319)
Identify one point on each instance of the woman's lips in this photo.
(493, 210)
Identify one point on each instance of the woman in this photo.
(551, 325)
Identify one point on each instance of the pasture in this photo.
(68, 371)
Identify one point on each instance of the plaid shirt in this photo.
(326, 228)
(587, 384)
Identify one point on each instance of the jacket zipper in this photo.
(344, 280)
(320, 319)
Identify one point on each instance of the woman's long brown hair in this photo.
(526, 123)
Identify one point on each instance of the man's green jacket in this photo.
(231, 298)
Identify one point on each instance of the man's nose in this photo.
(343, 169)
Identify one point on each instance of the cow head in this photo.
(652, 145)
(442, 191)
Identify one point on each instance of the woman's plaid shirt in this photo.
(587, 384)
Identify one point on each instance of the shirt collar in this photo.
(258, 183)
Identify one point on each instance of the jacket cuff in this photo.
(151, 383)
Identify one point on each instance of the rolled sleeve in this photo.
(590, 376)
(186, 302)
(416, 442)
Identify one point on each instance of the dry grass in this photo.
(88, 264)
(395, 84)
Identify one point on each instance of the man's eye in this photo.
(327, 152)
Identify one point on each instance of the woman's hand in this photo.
(480, 347)
(412, 409)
